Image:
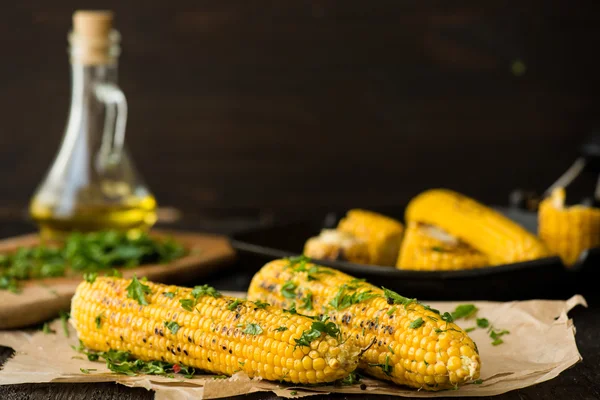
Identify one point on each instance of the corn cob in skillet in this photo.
(408, 343)
(568, 231)
(213, 332)
(486, 230)
(428, 248)
(332, 244)
(382, 234)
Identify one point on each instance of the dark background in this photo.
(286, 105)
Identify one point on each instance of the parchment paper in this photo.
(541, 344)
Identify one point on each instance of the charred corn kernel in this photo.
(500, 239)
(567, 231)
(332, 244)
(221, 335)
(428, 248)
(404, 343)
(382, 234)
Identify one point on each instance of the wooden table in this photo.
(582, 382)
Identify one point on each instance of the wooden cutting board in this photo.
(41, 299)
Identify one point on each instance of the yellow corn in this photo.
(428, 248)
(407, 342)
(214, 337)
(486, 230)
(568, 231)
(332, 244)
(382, 234)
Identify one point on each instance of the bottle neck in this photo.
(85, 77)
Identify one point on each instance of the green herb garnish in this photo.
(172, 325)
(483, 322)
(478, 382)
(137, 291)
(464, 311)
(447, 317)
(46, 329)
(438, 249)
(261, 304)
(416, 323)
(87, 370)
(288, 290)
(188, 304)
(307, 302)
(98, 320)
(64, 319)
(391, 350)
(90, 277)
(352, 379)
(471, 329)
(344, 299)
(253, 329)
(394, 298)
(385, 367)
(169, 295)
(281, 329)
(90, 253)
(317, 329)
(233, 305)
(205, 290)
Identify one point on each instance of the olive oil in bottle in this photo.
(92, 184)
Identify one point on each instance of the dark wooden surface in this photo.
(582, 382)
(313, 104)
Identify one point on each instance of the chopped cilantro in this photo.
(233, 305)
(438, 249)
(293, 393)
(87, 370)
(391, 350)
(307, 302)
(46, 329)
(288, 290)
(416, 323)
(316, 330)
(220, 377)
(281, 329)
(432, 318)
(188, 304)
(391, 310)
(478, 382)
(261, 304)
(483, 322)
(116, 273)
(343, 299)
(447, 317)
(137, 291)
(64, 318)
(464, 311)
(471, 329)
(253, 329)
(205, 290)
(394, 298)
(352, 379)
(98, 320)
(498, 341)
(385, 367)
(172, 325)
(90, 277)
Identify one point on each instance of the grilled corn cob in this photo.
(428, 248)
(382, 234)
(568, 231)
(332, 244)
(220, 334)
(408, 343)
(488, 231)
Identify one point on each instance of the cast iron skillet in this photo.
(542, 278)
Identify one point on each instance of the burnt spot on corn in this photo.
(121, 337)
(346, 318)
(224, 347)
(179, 349)
(144, 340)
(156, 331)
(190, 339)
(209, 359)
(230, 352)
(161, 333)
(185, 352)
(237, 315)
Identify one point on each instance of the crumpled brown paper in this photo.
(541, 344)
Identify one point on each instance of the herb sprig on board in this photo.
(87, 253)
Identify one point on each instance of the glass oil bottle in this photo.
(92, 184)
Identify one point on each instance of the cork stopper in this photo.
(92, 24)
(93, 40)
